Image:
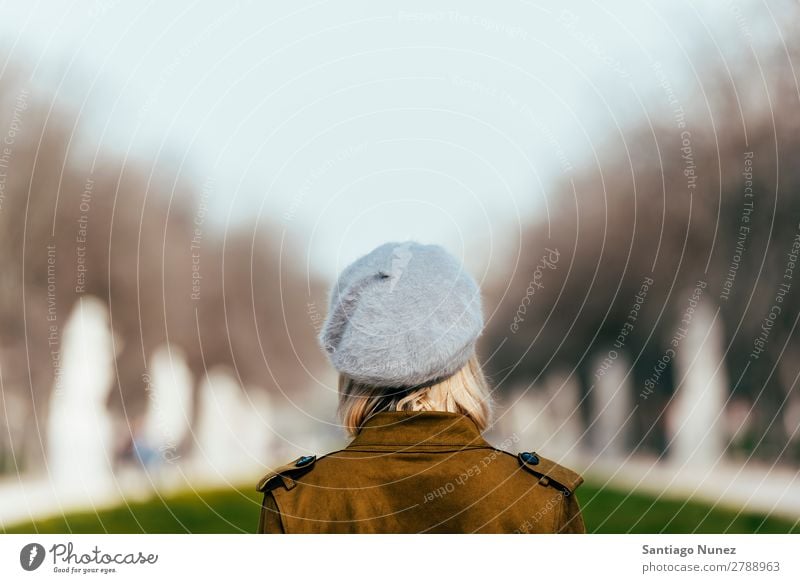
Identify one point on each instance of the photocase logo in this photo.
(31, 556)
(401, 256)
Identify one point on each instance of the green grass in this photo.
(218, 511)
(608, 510)
(236, 511)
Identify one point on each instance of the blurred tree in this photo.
(135, 236)
(666, 199)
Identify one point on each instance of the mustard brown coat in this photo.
(421, 472)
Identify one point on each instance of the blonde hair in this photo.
(465, 392)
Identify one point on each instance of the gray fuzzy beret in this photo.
(403, 315)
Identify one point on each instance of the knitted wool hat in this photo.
(403, 315)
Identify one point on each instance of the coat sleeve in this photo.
(270, 520)
(571, 517)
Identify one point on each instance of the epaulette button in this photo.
(304, 461)
(530, 458)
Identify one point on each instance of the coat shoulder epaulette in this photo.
(287, 474)
(549, 472)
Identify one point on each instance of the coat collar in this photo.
(418, 430)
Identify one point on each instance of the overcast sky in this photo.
(351, 123)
